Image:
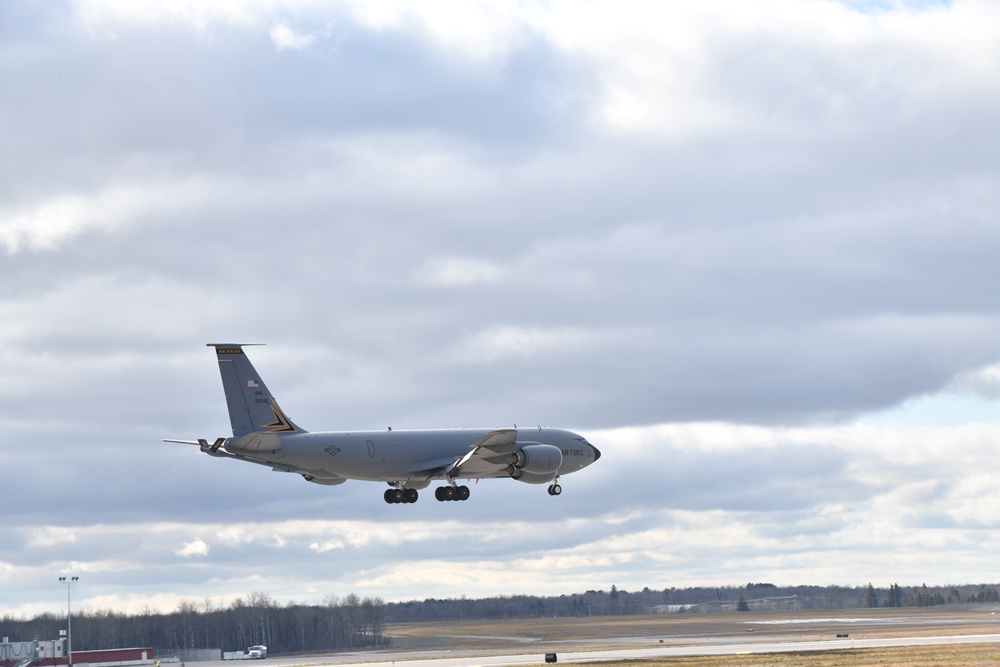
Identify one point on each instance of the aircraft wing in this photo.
(486, 456)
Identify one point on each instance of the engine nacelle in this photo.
(534, 477)
(325, 481)
(538, 459)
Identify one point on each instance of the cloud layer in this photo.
(720, 240)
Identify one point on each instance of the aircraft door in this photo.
(371, 448)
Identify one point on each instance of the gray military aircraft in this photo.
(406, 460)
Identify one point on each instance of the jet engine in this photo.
(536, 459)
(534, 477)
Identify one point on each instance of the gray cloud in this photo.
(608, 220)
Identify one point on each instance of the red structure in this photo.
(116, 657)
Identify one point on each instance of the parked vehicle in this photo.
(258, 652)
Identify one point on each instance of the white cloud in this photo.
(53, 222)
(900, 481)
(285, 37)
(682, 69)
(980, 382)
(483, 29)
(459, 271)
(512, 342)
(49, 536)
(57, 219)
(238, 534)
(480, 29)
(195, 547)
(328, 545)
(108, 16)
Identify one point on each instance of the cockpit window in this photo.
(584, 441)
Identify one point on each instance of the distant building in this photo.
(52, 652)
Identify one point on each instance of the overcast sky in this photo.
(748, 248)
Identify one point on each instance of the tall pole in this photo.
(69, 581)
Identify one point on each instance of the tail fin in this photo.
(252, 409)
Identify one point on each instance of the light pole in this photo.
(69, 581)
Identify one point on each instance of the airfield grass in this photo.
(677, 629)
(966, 655)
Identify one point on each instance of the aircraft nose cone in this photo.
(597, 452)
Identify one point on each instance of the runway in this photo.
(467, 659)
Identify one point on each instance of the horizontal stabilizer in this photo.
(201, 442)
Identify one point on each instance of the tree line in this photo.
(615, 601)
(354, 623)
(337, 624)
(929, 597)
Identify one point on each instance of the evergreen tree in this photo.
(871, 598)
(742, 605)
(895, 598)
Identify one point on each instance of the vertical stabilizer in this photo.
(252, 409)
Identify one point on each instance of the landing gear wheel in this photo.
(397, 495)
(555, 490)
(388, 496)
(444, 493)
(410, 496)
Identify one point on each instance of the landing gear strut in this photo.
(444, 493)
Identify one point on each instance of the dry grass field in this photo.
(632, 630)
(969, 655)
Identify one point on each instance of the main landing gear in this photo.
(394, 496)
(397, 495)
(444, 493)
